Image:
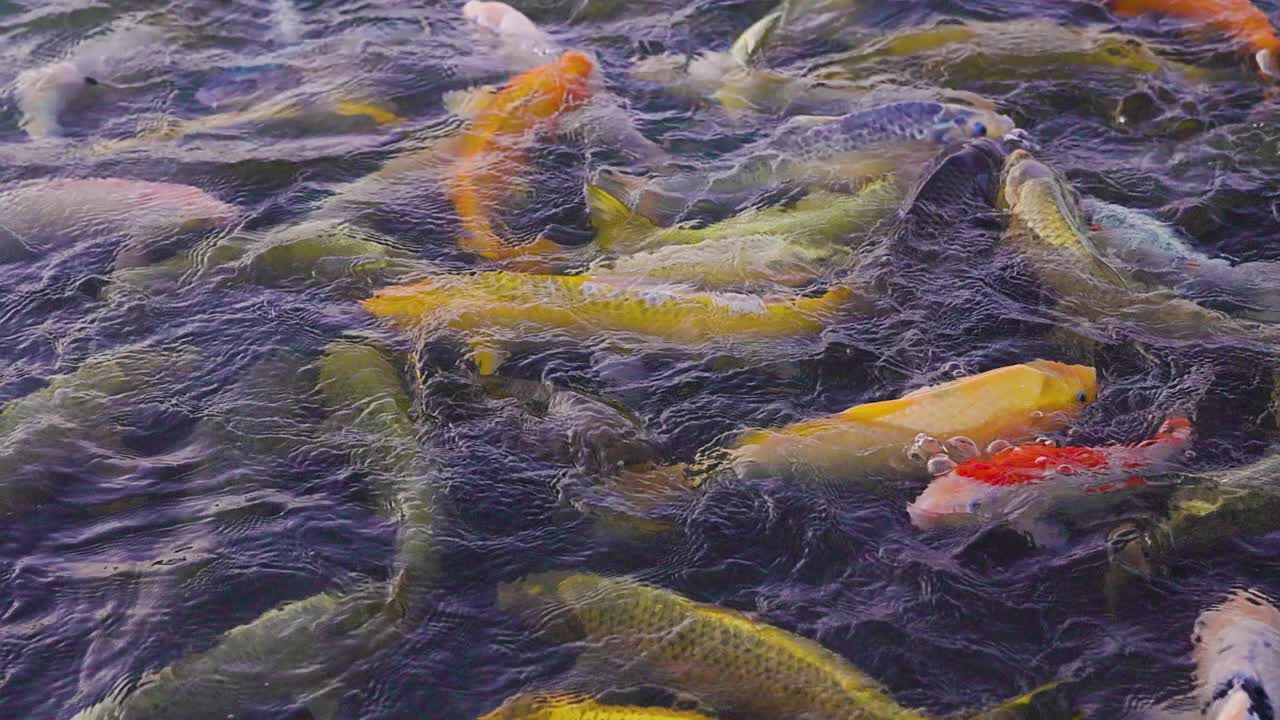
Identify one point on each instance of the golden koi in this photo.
(487, 308)
(870, 439)
(490, 151)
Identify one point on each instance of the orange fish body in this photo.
(995, 487)
(1240, 19)
(491, 151)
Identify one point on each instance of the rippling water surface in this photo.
(192, 474)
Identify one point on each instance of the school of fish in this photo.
(757, 259)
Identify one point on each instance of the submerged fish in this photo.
(521, 42)
(1048, 228)
(1236, 645)
(493, 309)
(722, 657)
(789, 246)
(367, 401)
(1240, 19)
(87, 76)
(1205, 514)
(826, 151)
(43, 215)
(318, 253)
(1159, 252)
(291, 115)
(952, 52)
(77, 420)
(1018, 481)
(873, 439)
(297, 651)
(578, 706)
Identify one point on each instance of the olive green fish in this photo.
(299, 650)
(365, 395)
(951, 52)
(82, 410)
(319, 253)
(723, 658)
(1204, 514)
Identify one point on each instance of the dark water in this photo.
(216, 491)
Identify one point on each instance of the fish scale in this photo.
(717, 655)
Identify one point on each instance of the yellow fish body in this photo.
(722, 657)
(491, 308)
(575, 706)
(1006, 403)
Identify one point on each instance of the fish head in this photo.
(1125, 52)
(42, 93)
(951, 500)
(550, 600)
(1021, 168)
(1065, 389)
(960, 123)
(577, 76)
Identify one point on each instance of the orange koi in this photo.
(491, 151)
(995, 487)
(1240, 19)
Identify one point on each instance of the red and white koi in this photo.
(1016, 478)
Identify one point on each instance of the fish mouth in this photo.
(1268, 63)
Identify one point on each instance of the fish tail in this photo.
(615, 223)
(1032, 704)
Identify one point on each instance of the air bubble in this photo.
(941, 465)
(998, 446)
(1046, 441)
(1037, 414)
(962, 448)
(1065, 470)
(1189, 454)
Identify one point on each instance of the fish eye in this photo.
(1082, 396)
(980, 129)
(973, 507)
(88, 80)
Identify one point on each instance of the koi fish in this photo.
(1237, 653)
(490, 152)
(1240, 19)
(521, 42)
(490, 309)
(997, 487)
(43, 215)
(719, 655)
(871, 439)
(850, 149)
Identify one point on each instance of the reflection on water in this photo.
(367, 360)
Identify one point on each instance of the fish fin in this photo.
(752, 40)
(487, 357)
(379, 115)
(613, 220)
(1268, 63)
(326, 705)
(1033, 704)
(470, 102)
